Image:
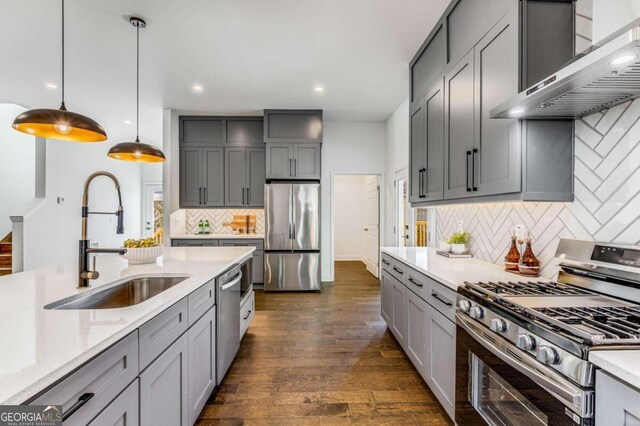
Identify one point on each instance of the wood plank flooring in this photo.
(322, 359)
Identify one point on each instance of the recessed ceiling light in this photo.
(127, 121)
(51, 86)
(621, 60)
(318, 89)
(516, 111)
(197, 88)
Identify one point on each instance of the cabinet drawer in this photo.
(105, 377)
(386, 262)
(442, 298)
(200, 301)
(194, 243)
(257, 243)
(158, 334)
(123, 411)
(396, 268)
(417, 282)
(247, 312)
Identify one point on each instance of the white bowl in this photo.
(142, 255)
(444, 246)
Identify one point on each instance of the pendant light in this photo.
(60, 123)
(137, 151)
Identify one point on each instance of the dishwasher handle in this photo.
(235, 280)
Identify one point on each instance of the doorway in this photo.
(402, 229)
(356, 220)
(152, 211)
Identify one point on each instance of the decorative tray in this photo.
(453, 255)
(522, 274)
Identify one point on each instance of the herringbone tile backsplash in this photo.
(217, 217)
(607, 196)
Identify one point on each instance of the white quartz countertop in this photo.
(451, 272)
(623, 364)
(40, 346)
(216, 236)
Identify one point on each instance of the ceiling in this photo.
(246, 54)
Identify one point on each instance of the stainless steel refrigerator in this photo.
(292, 237)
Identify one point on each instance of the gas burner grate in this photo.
(603, 324)
(522, 288)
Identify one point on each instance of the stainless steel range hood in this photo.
(608, 74)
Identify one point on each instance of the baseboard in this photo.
(347, 258)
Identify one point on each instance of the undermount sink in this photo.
(129, 293)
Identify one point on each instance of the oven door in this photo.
(497, 384)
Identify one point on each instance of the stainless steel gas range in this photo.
(522, 346)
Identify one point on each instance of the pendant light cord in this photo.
(138, 83)
(63, 106)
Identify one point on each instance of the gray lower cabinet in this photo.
(386, 294)
(441, 371)
(417, 324)
(123, 411)
(194, 243)
(157, 334)
(399, 317)
(293, 161)
(202, 362)
(244, 177)
(164, 388)
(616, 402)
(201, 177)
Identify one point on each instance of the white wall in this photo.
(348, 148)
(349, 205)
(397, 158)
(17, 166)
(611, 15)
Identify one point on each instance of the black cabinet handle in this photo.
(424, 185)
(295, 167)
(400, 271)
(247, 317)
(386, 262)
(473, 169)
(199, 195)
(441, 299)
(291, 167)
(84, 398)
(204, 196)
(468, 157)
(414, 282)
(248, 199)
(242, 196)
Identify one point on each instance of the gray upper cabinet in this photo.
(244, 177)
(303, 126)
(494, 49)
(200, 131)
(243, 131)
(459, 128)
(201, 177)
(213, 184)
(496, 160)
(297, 161)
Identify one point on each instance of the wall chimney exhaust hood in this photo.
(605, 75)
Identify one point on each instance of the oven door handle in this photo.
(570, 395)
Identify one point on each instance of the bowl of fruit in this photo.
(142, 251)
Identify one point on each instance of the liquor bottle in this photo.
(512, 259)
(201, 227)
(529, 263)
(206, 227)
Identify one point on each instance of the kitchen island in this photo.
(42, 346)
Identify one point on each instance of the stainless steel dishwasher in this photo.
(227, 320)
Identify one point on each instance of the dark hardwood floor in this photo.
(322, 359)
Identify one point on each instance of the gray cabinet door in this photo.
(441, 347)
(399, 321)
(235, 175)
(244, 131)
(256, 177)
(202, 362)
(386, 295)
(190, 177)
(122, 411)
(616, 403)
(300, 126)
(433, 185)
(459, 128)
(199, 131)
(163, 388)
(306, 160)
(428, 62)
(279, 161)
(157, 334)
(417, 322)
(418, 151)
(258, 267)
(496, 161)
(213, 177)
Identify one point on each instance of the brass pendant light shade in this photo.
(137, 151)
(60, 123)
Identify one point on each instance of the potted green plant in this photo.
(458, 241)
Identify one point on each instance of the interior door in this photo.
(306, 216)
(277, 202)
(459, 128)
(372, 225)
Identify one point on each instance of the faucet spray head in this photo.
(120, 216)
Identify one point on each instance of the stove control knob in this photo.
(498, 325)
(476, 312)
(464, 305)
(547, 355)
(525, 342)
